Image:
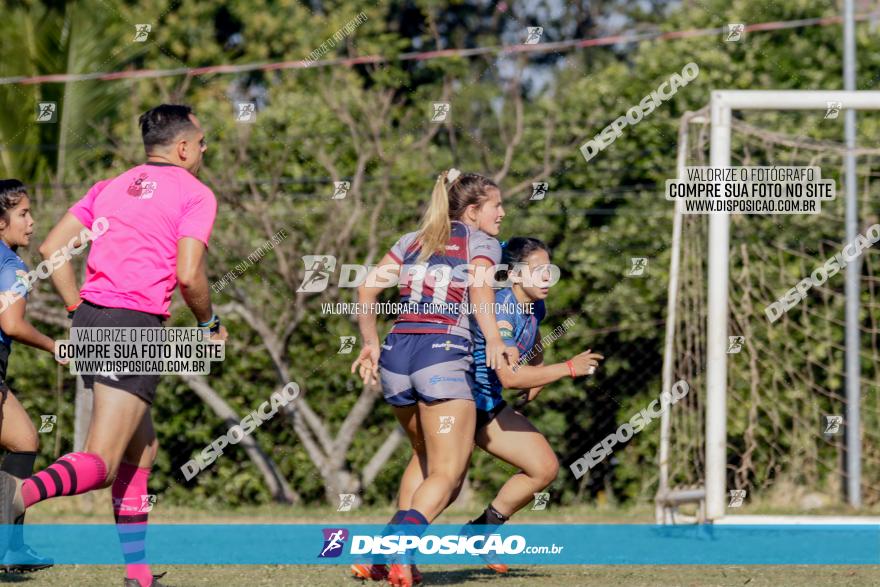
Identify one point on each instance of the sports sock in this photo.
(72, 474)
(414, 522)
(490, 517)
(21, 465)
(390, 528)
(129, 498)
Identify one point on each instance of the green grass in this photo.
(96, 509)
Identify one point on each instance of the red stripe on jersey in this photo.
(428, 318)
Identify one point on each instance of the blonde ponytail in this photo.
(436, 227)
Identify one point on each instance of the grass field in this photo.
(97, 510)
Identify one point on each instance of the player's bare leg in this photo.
(513, 439)
(448, 451)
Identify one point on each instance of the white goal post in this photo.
(722, 104)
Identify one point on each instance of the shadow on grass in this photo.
(14, 578)
(478, 574)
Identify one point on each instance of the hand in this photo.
(367, 363)
(586, 363)
(495, 353)
(527, 395)
(220, 336)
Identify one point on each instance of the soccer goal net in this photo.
(786, 405)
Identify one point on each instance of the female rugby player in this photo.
(500, 430)
(17, 433)
(425, 362)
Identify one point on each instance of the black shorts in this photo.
(90, 315)
(4, 364)
(486, 416)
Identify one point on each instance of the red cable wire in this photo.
(426, 55)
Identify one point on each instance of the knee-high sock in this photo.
(72, 474)
(129, 501)
(21, 465)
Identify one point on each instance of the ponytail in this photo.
(436, 227)
(453, 193)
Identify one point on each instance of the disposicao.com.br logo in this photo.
(430, 544)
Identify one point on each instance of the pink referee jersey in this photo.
(148, 208)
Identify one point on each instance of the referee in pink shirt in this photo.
(160, 218)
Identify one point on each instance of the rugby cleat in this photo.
(155, 583)
(416, 575)
(370, 572)
(400, 576)
(11, 507)
(24, 560)
(499, 568)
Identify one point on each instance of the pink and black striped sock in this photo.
(72, 474)
(130, 507)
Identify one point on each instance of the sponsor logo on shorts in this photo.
(450, 345)
(334, 542)
(440, 379)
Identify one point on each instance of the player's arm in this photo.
(192, 277)
(384, 275)
(482, 297)
(514, 375)
(16, 326)
(65, 235)
(536, 360)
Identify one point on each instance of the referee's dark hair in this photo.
(11, 193)
(161, 125)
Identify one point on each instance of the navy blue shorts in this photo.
(426, 368)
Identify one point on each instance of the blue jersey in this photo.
(438, 294)
(518, 328)
(12, 281)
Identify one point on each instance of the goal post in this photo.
(722, 104)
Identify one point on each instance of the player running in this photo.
(18, 436)
(425, 362)
(500, 430)
(159, 219)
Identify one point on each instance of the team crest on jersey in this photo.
(142, 189)
(21, 276)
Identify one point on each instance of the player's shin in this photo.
(131, 504)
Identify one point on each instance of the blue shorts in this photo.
(426, 368)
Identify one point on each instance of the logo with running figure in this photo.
(439, 111)
(147, 503)
(539, 190)
(334, 541)
(534, 35)
(541, 501)
(735, 32)
(142, 32)
(446, 423)
(832, 110)
(346, 345)
(346, 502)
(638, 266)
(47, 112)
(246, 112)
(340, 189)
(47, 423)
(735, 344)
(319, 268)
(737, 496)
(832, 425)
